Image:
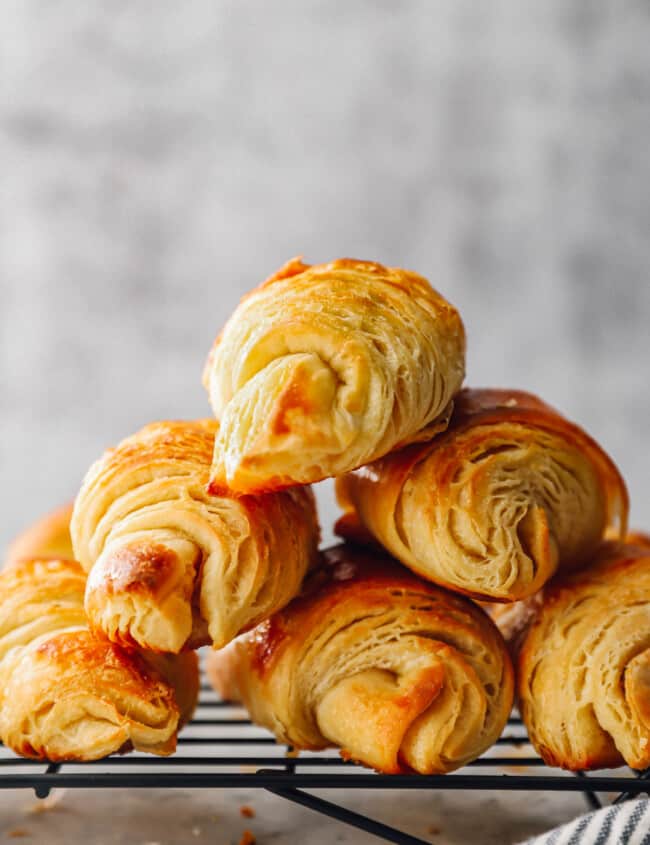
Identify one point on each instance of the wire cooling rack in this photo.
(221, 749)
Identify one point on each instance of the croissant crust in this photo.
(323, 368)
(492, 507)
(172, 567)
(66, 694)
(398, 673)
(582, 654)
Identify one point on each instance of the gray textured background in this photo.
(160, 158)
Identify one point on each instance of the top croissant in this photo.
(323, 368)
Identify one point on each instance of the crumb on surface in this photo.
(18, 833)
(247, 838)
(247, 811)
(433, 829)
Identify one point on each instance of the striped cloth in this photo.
(627, 823)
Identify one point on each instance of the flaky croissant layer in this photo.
(323, 368)
(172, 567)
(582, 655)
(492, 507)
(49, 536)
(66, 694)
(401, 675)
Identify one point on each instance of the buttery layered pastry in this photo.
(202, 532)
(171, 566)
(492, 507)
(582, 655)
(326, 367)
(49, 536)
(400, 674)
(66, 694)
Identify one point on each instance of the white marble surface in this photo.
(160, 158)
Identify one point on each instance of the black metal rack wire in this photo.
(221, 749)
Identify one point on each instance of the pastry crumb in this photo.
(247, 812)
(196, 831)
(18, 833)
(247, 838)
(433, 829)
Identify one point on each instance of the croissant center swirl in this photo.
(399, 674)
(324, 368)
(66, 694)
(173, 567)
(584, 664)
(493, 507)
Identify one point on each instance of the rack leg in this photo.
(625, 796)
(327, 808)
(590, 797)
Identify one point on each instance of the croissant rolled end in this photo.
(108, 702)
(138, 596)
(216, 487)
(239, 478)
(293, 267)
(368, 714)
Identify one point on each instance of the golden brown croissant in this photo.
(66, 694)
(323, 368)
(398, 673)
(47, 537)
(494, 505)
(638, 538)
(172, 567)
(582, 649)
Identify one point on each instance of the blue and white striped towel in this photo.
(627, 823)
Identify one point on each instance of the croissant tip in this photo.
(218, 488)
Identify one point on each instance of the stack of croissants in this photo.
(484, 559)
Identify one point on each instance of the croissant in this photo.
(398, 673)
(66, 694)
(509, 493)
(323, 368)
(582, 655)
(48, 537)
(172, 567)
(638, 538)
